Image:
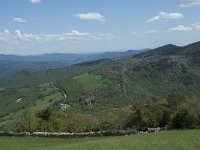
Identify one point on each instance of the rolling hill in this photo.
(151, 75)
(154, 74)
(10, 64)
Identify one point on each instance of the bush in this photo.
(182, 119)
(56, 125)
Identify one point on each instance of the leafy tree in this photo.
(108, 122)
(165, 118)
(182, 119)
(29, 122)
(57, 125)
(45, 114)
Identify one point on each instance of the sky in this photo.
(32, 27)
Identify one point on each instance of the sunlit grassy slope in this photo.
(50, 96)
(90, 81)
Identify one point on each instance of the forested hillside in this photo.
(167, 79)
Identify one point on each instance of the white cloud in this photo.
(35, 1)
(187, 3)
(74, 34)
(18, 36)
(162, 16)
(91, 16)
(6, 37)
(20, 20)
(7, 31)
(181, 28)
(184, 28)
(196, 26)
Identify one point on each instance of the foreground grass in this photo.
(168, 140)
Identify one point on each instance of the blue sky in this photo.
(82, 26)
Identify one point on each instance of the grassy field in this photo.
(40, 104)
(90, 81)
(167, 140)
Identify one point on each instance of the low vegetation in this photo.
(174, 112)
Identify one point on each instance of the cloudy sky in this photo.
(82, 26)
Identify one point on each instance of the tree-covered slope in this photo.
(152, 75)
(33, 78)
(109, 84)
(11, 67)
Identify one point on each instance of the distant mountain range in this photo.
(10, 64)
(164, 69)
(68, 58)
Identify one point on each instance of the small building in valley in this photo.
(19, 100)
(89, 101)
(64, 106)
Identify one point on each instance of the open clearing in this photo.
(166, 140)
(90, 81)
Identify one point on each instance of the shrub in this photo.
(182, 119)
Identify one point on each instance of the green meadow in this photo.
(90, 81)
(166, 140)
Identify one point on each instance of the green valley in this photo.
(165, 78)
